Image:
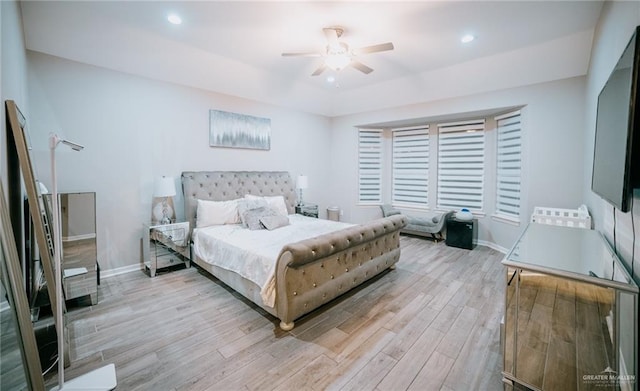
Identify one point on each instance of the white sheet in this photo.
(253, 254)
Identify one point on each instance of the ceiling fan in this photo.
(337, 54)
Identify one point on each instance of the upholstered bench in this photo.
(420, 226)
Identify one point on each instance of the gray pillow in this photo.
(252, 217)
(245, 204)
(388, 210)
(273, 222)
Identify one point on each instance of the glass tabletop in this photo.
(577, 253)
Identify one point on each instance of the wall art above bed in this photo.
(232, 130)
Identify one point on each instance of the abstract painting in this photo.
(232, 130)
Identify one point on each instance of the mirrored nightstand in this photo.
(165, 245)
(310, 210)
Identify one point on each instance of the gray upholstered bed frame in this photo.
(311, 272)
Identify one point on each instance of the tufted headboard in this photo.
(229, 185)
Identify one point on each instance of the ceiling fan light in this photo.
(337, 61)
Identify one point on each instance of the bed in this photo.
(306, 273)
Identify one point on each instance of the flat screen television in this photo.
(616, 156)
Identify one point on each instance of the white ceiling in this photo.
(234, 47)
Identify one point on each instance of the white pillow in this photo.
(275, 202)
(216, 213)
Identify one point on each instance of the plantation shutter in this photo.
(410, 150)
(509, 164)
(369, 166)
(461, 165)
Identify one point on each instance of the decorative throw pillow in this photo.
(276, 202)
(388, 210)
(252, 217)
(245, 204)
(273, 222)
(216, 213)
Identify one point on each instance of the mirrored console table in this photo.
(571, 313)
(79, 249)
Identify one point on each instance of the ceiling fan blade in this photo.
(374, 48)
(320, 69)
(361, 67)
(332, 36)
(301, 54)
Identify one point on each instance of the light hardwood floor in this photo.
(431, 324)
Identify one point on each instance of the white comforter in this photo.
(253, 254)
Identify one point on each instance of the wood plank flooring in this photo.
(433, 323)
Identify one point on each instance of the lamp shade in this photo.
(164, 187)
(302, 182)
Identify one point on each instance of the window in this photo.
(369, 166)
(508, 164)
(461, 165)
(410, 149)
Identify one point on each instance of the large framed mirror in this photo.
(20, 367)
(41, 222)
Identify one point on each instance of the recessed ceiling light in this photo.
(331, 79)
(174, 19)
(467, 38)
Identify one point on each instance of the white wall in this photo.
(553, 158)
(615, 27)
(13, 86)
(13, 71)
(136, 129)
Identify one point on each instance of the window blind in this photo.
(508, 164)
(410, 149)
(461, 165)
(369, 166)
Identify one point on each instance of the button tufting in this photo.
(314, 285)
(295, 293)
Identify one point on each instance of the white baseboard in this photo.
(493, 246)
(78, 237)
(120, 270)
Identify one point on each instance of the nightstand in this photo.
(310, 210)
(165, 245)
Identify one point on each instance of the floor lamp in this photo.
(100, 379)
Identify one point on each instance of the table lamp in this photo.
(164, 188)
(302, 183)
